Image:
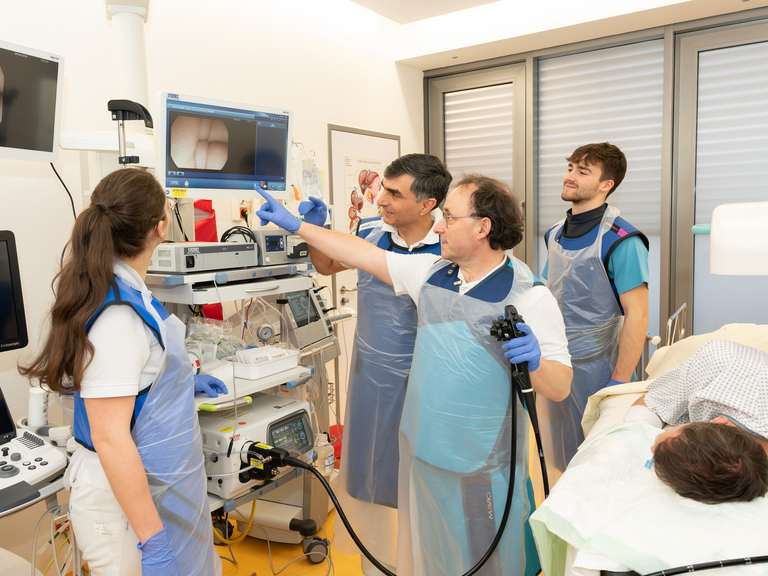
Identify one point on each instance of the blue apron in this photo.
(381, 360)
(455, 456)
(167, 435)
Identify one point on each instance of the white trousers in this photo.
(106, 540)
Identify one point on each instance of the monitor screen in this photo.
(293, 433)
(30, 103)
(303, 308)
(13, 324)
(7, 425)
(216, 149)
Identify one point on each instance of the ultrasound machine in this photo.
(29, 464)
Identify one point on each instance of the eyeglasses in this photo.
(450, 219)
(170, 203)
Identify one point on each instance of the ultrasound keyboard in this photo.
(27, 462)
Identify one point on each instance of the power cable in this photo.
(67, 189)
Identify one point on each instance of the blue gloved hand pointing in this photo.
(315, 211)
(275, 212)
(157, 558)
(210, 385)
(524, 348)
(613, 382)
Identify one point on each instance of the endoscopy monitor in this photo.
(31, 84)
(13, 324)
(216, 149)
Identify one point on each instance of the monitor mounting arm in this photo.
(123, 110)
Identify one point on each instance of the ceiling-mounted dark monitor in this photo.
(13, 323)
(31, 84)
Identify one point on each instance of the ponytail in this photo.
(125, 207)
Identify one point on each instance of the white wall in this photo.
(327, 61)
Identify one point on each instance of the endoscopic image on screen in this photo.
(27, 101)
(206, 144)
(199, 143)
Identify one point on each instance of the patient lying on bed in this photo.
(717, 401)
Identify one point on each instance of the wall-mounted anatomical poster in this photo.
(362, 184)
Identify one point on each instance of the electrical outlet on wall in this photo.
(241, 209)
(236, 205)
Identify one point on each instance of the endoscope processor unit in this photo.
(188, 257)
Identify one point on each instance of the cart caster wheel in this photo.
(316, 549)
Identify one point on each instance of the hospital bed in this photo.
(610, 513)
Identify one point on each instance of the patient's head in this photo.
(712, 463)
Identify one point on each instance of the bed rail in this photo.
(676, 325)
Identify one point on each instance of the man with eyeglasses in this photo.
(455, 431)
(412, 188)
(597, 269)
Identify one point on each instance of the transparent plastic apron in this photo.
(593, 321)
(455, 441)
(167, 434)
(381, 360)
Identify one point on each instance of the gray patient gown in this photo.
(722, 378)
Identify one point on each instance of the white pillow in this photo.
(668, 357)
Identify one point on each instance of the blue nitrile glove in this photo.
(524, 348)
(210, 385)
(613, 382)
(275, 212)
(315, 211)
(157, 558)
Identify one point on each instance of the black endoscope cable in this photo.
(710, 565)
(503, 330)
(530, 404)
(296, 463)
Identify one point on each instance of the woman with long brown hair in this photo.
(138, 501)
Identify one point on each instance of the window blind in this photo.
(478, 131)
(615, 95)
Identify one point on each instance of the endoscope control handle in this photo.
(512, 318)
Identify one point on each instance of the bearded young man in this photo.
(597, 269)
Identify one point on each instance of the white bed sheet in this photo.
(579, 529)
(607, 409)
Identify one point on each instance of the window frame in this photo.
(509, 73)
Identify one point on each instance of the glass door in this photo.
(722, 159)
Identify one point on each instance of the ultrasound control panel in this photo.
(27, 462)
(29, 458)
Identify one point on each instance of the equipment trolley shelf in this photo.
(246, 387)
(205, 287)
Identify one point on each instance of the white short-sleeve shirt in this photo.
(126, 354)
(431, 238)
(410, 272)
